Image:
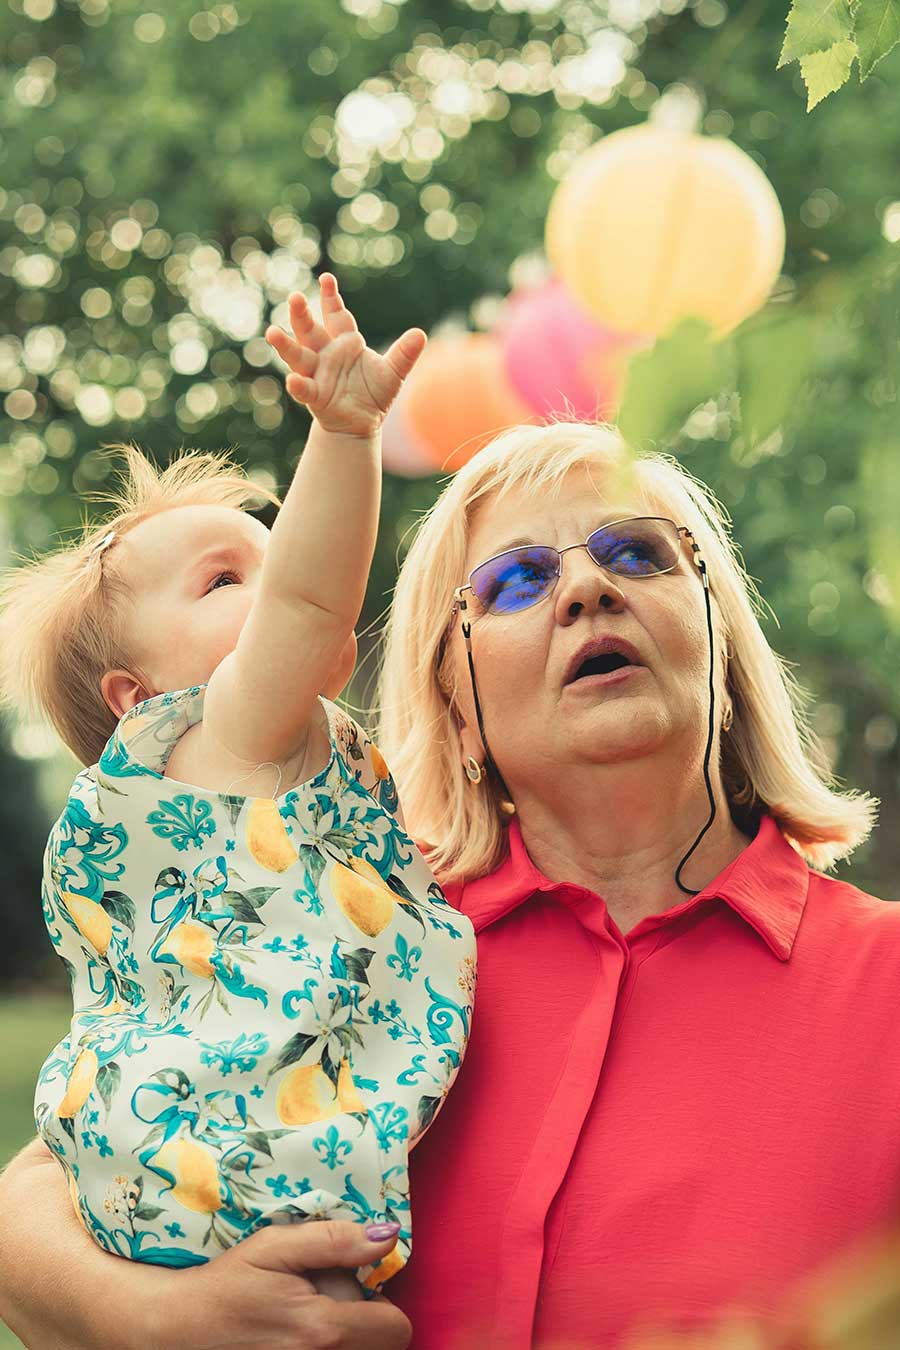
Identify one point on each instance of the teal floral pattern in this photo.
(272, 998)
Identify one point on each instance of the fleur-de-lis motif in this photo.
(185, 820)
(404, 959)
(332, 1148)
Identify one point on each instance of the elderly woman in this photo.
(680, 1092)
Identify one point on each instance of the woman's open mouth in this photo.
(600, 671)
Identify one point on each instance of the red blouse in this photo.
(659, 1126)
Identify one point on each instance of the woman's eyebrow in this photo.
(607, 518)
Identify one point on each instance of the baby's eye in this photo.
(221, 577)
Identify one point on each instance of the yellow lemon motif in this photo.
(267, 837)
(192, 945)
(195, 1172)
(394, 1261)
(307, 1095)
(79, 1084)
(349, 1099)
(91, 920)
(380, 768)
(362, 896)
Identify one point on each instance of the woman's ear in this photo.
(469, 739)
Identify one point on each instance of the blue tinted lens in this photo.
(633, 548)
(515, 579)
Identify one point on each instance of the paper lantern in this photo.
(460, 398)
(558, 358)
(401, 451)
(654, 225)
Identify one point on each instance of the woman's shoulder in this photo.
(856, 916)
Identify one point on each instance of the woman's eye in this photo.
(221, 577)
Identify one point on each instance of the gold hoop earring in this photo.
(474, 771)
(728, 719)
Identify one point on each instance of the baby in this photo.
(271, 995)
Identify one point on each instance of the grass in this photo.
(30, 1025)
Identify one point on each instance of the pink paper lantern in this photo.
(558, 358)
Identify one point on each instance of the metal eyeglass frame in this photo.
(460, 606)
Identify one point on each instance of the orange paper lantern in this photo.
(401, 451)
(460, 397)
(654, 225)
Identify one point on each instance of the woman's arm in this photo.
(60, 1291)
(54, 1279)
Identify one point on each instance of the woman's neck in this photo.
(630, 858)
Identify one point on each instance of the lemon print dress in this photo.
(272, 998)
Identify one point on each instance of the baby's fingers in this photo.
(300, 359)
(403, 354)
(301, 388)
(335, 314)
(307, 332)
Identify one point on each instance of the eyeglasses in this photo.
(641, 546)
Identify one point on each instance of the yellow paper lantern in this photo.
(460, 397)
(655, 225)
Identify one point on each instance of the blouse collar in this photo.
(766, 885)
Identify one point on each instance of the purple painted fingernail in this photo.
(378, 1232)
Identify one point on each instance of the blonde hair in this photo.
(770, 760)
(63, 616)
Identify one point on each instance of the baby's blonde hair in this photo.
(63, 616)
(771, 761)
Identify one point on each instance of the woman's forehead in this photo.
(565, 514)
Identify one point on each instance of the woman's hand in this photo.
(256, 1296)
(346, 386)
(60, 1291)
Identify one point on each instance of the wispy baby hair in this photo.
(63, 615)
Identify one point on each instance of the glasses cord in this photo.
(491, 763)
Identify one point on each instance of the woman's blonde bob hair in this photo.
(63, 616)
(770, 759)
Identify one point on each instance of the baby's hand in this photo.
(346, 386)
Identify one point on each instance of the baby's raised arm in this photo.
(261, 699)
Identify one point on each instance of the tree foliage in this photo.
(168, 177)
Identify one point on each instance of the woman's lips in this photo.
(611, 677)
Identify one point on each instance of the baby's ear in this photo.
(343, 670)
(121, 691)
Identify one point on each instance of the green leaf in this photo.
(258, 1141)
(292, 1050)
(427, 1111)
(824, 72)
(775, 355)
(258, 895)
(233, 806)
(120, 907)
(108, 1079)
(313, 861)
(815, 26)
(155, 1132)
(242, 907)
(877, 32)
(666, 382)
(148, 1212)
(358, 964)
(329, 1067)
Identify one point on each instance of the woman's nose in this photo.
(583, 585)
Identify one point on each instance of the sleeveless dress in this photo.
(272, 998)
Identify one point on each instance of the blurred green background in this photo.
(169, 176)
